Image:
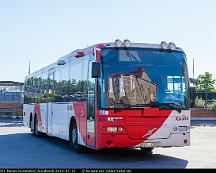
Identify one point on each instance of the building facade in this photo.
(11, 98)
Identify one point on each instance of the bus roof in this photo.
(71, 56)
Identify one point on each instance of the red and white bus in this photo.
(112, 95)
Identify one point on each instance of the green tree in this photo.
(205, 82)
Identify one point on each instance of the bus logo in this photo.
(103, 112)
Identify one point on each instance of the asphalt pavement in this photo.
(19, 149)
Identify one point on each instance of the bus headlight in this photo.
(112, 129)
(115, 129)
(120, 129)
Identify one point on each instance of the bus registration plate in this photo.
(149, 144)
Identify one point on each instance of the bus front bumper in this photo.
(123, 141)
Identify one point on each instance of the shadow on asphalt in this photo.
(122, 155)
(49, 152)
(50, 149)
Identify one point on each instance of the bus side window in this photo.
(64, 83)
(44, 87)
(75, 82)
(57, 95)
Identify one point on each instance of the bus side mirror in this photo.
(95, 69)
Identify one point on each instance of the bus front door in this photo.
(49, 102)
(91, 109)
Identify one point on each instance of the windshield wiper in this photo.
(168, 105)
(122, 105)
(118, 106)
(139, 105)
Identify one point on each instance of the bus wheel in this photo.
(147, 150)
(31, 126)
(74, 139)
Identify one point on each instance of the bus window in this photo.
(64, 83)
(76, 87)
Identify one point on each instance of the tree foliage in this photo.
(212, 106)
(199, 103)
(205, 82)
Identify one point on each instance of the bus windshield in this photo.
(140, 76)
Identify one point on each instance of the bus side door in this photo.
(91, 106)
(50, 91)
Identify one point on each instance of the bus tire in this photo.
(147, 150)
(74, 139)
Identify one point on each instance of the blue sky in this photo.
(44, 30)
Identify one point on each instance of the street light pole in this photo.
(193, 72)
